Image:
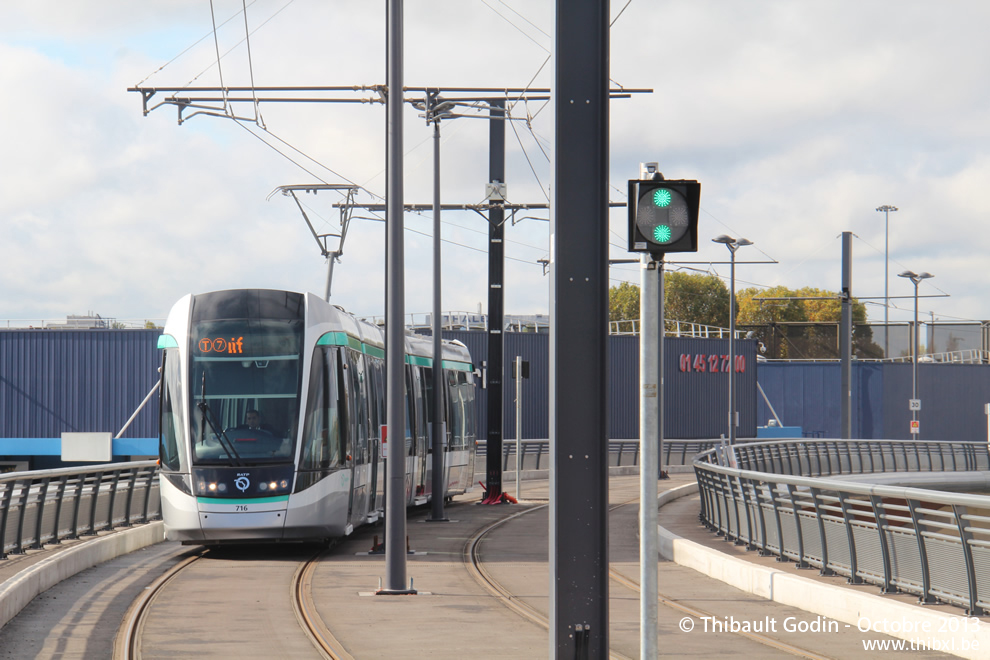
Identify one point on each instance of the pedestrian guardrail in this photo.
(535, 454)
(785, 498)
(49, 506)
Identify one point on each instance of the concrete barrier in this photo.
(19, 590)
(872, 614)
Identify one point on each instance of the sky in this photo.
(799, 119)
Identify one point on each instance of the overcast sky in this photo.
(799, 119)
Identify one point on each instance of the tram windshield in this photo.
(244, 391)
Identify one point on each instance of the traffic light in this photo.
(663, 216)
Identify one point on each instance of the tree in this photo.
(696, 298)
(623, 302)
(688, 297)
(805, 325)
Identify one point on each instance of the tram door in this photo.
(376, 410)
(429, 403)
(354, 377)
(416, 466)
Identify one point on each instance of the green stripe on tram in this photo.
(242, 500)
(456, 366)
(344, 339)
(167, 341)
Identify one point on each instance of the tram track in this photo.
(127, 643)
(307, 615)
(476, 564)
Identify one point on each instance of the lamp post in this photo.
(886, 208)
(915, 279)
(733, 244)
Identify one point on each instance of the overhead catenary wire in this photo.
(216, 44)
(231, 49)
(247, 39)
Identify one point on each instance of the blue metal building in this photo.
(54, 381)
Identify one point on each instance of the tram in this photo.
(271, 406)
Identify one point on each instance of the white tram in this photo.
(271, 408)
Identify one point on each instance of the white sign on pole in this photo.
(914, 404)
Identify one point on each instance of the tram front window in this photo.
(244, 391)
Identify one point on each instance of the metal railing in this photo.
(674, 329)
(536, 453)
(933, 544)
(49, 506)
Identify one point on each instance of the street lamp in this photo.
(886, 208)
(915, 279)
(733, 244)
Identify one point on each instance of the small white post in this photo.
(986, 409)
(518, 423)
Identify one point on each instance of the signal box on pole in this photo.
(663, 216)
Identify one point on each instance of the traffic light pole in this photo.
(650, 379)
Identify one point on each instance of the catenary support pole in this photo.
(395, 507)
(845, 337)
(579, 240)
(437, 430)
(496, 270)
(649, 377)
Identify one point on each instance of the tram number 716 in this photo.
(241, 507)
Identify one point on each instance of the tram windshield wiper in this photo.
(218, 431)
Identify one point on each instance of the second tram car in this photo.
(271, 408)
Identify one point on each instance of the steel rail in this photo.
(305, 609)
(127, 642)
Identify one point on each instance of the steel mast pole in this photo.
(845, 338)
(886, 208)
(579, 333)
(496, 302)
(649, 378)
(438, 434)
(395, 358)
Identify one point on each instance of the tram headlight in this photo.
(262, 486)
(284, 483)
(212, 486)
(273, 485)
(222, 488)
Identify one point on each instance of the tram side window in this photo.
(410, 412)
(460, 392)
(358, 377)
(376, 396)
(428, 402)
(172, 428)
(322, 447)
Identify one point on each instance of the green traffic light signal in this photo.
(663, 215)
(662, 198)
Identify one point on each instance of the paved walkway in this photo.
(454, 617)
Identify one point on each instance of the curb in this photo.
(18, 591)
(893, 618)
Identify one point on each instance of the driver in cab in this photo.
(252, 421)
